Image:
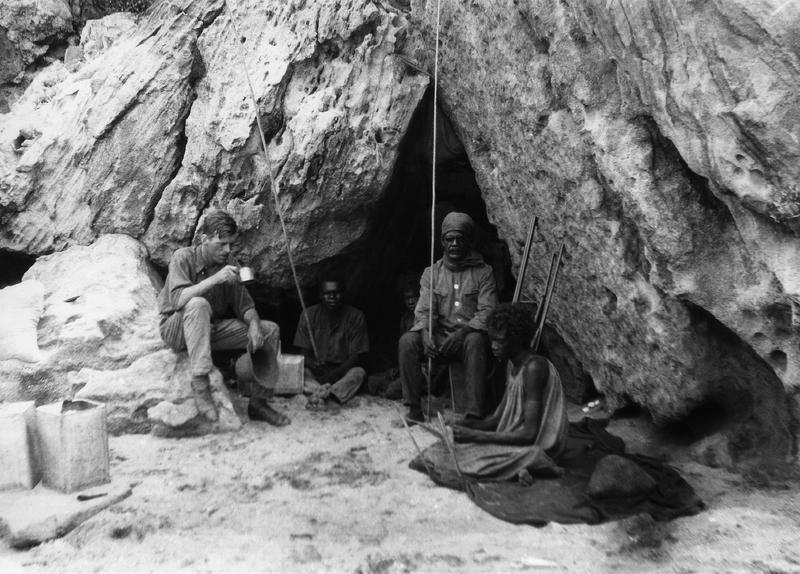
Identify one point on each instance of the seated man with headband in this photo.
(464, 294)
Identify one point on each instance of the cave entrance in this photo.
(396, 249)
(13, 266)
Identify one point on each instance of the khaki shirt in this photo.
(460, 298)
(337, 337)
(186, 268)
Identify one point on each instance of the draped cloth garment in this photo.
(504, 462)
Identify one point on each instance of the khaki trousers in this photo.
(192, 329)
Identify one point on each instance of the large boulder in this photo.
(660, 142)
(143, 136)
(100, 312)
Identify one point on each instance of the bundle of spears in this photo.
(552, 277)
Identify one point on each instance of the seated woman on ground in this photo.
(529, 427)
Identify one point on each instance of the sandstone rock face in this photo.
(659, 142)
(97, 36)
(145, 135)
(100, 312)
(27, 28)
(100, 308)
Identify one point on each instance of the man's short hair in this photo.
(220, 223)
(516, 319)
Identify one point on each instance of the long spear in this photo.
(523, 265)
(554, 269)
(274, 185)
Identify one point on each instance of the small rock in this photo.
(713, 451)
(173, 415)
(616, 476)
(300, 400)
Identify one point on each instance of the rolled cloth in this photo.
(456, 221)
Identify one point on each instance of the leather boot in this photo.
(202, 398)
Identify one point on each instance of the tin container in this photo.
(246, 275)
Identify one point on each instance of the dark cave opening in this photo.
(13, 266)
(396, 249)
(705, 419)
(743, 398)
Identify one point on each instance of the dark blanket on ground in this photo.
(565, 499)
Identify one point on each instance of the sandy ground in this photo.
(333, 493)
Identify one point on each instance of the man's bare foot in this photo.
(260, 410)
(202, 398)
(524, 477)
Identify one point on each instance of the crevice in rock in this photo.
(742, 397)
(578, 384)
(667, 162)
(13, 266)
(83, 10)
(196, 73)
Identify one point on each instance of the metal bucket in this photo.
(257, 368)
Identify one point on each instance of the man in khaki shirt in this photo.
(464, 295)
(340, 337)
(204, 306)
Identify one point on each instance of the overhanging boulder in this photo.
(660, 143)
(142, 137)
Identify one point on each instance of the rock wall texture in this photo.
(143, 137)
(100, 312)
(659, 142)
(27, 29)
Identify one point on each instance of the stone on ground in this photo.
(617, 477)
(30, 517)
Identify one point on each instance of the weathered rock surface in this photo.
(97, 36)
(27, 29)
(659, 142)
(154, 394)
(100, 312)
(144, 136)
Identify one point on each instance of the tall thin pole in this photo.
(433, 204)
(274, 186)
